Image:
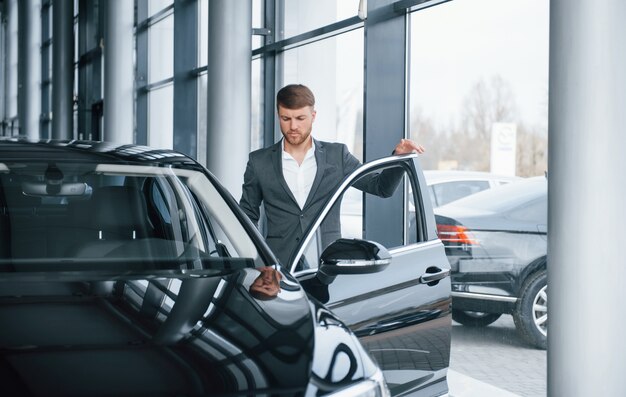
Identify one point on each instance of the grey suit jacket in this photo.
(285, 221)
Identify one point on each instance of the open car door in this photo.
(395, 298)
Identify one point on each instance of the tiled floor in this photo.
(495, 356)
(463, 386)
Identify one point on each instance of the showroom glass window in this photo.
(479, 69)
(337, 84)
(481, 78)
(304, 15)
(203, 54)
(258, 40)
(160, 67)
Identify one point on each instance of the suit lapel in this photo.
(322, 165)
(278, 169)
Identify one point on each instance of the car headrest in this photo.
(119, 209)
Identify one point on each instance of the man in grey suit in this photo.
(294, 177)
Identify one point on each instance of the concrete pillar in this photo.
(586, 194)
(229, 90)
(10, 64)
(29, 67)
(118, 71)
(62, 69)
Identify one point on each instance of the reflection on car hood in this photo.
(76, 334)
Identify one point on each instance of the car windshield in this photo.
(505, 197)
(70, 216)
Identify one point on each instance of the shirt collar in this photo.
(309, 153)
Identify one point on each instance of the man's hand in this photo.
(408, 146)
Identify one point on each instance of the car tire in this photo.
(531, 312)
(474, 319)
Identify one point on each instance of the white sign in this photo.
(503, 148)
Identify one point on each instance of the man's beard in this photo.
(297, 139)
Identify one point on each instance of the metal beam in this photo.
(185, 83)
(384, 112)
(62, 69)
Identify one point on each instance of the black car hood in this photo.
(81, 334)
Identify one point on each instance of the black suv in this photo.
(126, 270)
(496, 241)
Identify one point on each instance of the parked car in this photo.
(496, 242)
(126, 270)
(443, 187)
(447, 186)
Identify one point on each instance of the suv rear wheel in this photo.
(531, 313)
(474, 319)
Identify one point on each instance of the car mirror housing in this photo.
(354, 256)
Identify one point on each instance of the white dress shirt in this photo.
(300, 178)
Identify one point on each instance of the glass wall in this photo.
(479, 85)
(257, 102)
(161, 118)
(156, 6)
(478, 101)
(203, 33)
(257, 23)
(337, 83)
(160, 70)
(303, 15)
(161, 50)
(45, 129)
(203, 58)
(256, 141)
(89, 89)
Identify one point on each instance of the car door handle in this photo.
(434, 274)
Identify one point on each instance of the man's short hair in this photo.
(295, 96)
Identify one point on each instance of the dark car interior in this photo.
(53, 226)
(103, 217)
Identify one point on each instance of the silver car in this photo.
(448, 186)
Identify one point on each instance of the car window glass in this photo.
(450, 191)
(415, 224)
(160, 206)
(102, 211)
(169, 217)
(345, 218)
(352, 213)
(220, 243)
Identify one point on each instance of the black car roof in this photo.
(88, 151)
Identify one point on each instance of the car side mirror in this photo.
(354, 256)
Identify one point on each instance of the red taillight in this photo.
(455, 234)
